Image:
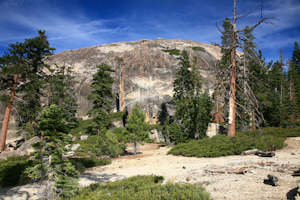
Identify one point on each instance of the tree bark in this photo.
(265, 154)
(231, 118)
(7, 114)
(236, 171)
(122, 89)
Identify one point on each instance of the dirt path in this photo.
(192, 170)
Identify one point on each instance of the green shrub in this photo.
(198, 49)
(86, 145)
(221, 145)
(173, 51)
(279, 131)
(142, 187)
(12, 170)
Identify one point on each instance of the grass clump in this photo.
(221, 145)
(12, 170)
(172, 51)
(142, 187)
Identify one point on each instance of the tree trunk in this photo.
(122, 89)
(7, 114)
(134, 147)
(231, 118)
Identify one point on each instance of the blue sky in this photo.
(74, 24)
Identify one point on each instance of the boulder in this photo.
(84, 137)
(75, 147)
(26, 148)
(215, 129)
(156, 135)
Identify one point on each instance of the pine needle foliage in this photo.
(49, 165)
(137, 128)
(101, 96)
(193, 106)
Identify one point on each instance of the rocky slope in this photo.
(148, 70)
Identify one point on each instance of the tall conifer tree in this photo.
(192, 106)
(23, 63)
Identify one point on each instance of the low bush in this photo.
(198, 49)
(12, 170)
(142, 187)
(221, 145)
(87, 145)
(173, 51)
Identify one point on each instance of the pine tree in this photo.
(137, 128)
(101, 96)
(295, 62)
(274, 104)
(226, 42)
(292, 107)
(49, 165)
(59, 88)
(23, 64)
(192, 106)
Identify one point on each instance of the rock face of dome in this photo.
(148, 68)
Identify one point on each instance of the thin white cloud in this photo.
(59, 28)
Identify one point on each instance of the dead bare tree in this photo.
(237, 37)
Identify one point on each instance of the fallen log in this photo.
(226, 171)
(265, 154)
(259, 153)
(296, 173)
(250, 152)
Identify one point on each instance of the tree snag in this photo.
(7, 114)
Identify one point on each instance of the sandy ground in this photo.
(193, 170)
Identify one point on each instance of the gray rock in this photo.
(118, 123)
(148, 71)
(75, 147)
(215, 129)
(69, 154)
(84, 137)
(26, 148)
(156, 135)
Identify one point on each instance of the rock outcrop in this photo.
(148, 70)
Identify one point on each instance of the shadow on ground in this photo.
(19, 192)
